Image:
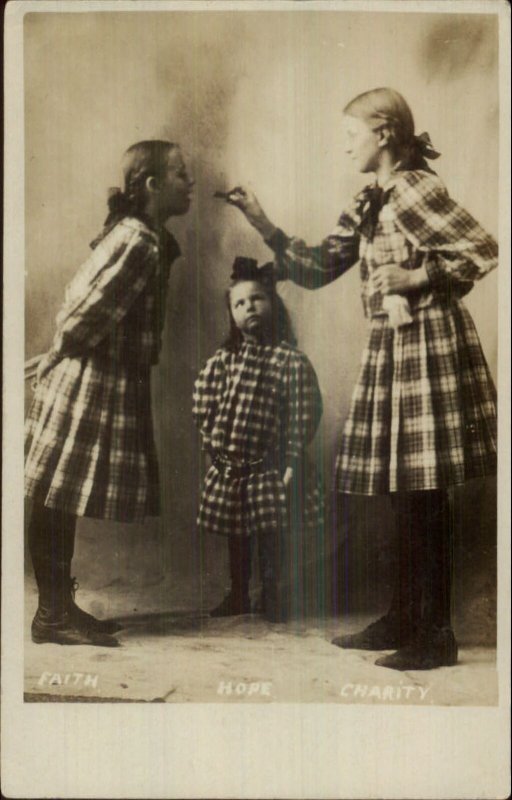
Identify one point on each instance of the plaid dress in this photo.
(423, 412)
(89, 434)
(261, 404)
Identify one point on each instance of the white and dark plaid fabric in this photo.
(89, 435)
(423, 413)
(261, 402)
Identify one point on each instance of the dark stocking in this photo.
(424, 570)
(425, 522)
(240, 565)
(237, 601)
(51, 541)
(270, 568)
(439, 564)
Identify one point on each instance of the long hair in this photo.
(246, 269)
(141, 161)
(386, 108)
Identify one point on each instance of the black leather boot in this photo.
(385, 633)
(53, 622)
(434, 643)
(51, 536)
(431, 647)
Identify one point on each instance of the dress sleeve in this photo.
(207, 389)
(459, 250)
(104, 290)
(314, 267)
(304, 406)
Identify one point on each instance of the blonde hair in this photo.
(386, 108)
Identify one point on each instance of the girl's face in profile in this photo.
(175, 186)
(251, 309)
(361, 143)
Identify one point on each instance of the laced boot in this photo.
(385, 633)
(396, 627)
(49, 627)
(86, 621)
(52, 622)
(431, 647)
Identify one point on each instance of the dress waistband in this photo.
(232, 469)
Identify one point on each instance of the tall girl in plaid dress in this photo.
(257, 405)
(423, 414)
(89, 435)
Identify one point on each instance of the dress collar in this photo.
(159, 233)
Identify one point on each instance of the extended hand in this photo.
(244, 198)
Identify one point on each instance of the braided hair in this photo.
(141, 161)
(386, 108)
(246, 269)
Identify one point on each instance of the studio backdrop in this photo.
(251, 97)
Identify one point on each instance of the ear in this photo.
(152, 184)
(384, 136)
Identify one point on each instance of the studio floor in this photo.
(177, 655)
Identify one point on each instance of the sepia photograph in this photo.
(253, 365)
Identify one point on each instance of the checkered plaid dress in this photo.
(260, 402)
(423, 412)
(89, 434)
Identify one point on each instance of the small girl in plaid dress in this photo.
(257, 405)
(89, 435)
(423, 413)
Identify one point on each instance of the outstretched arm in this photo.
(310, 267)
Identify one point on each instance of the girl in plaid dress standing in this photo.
(257, 405)
(89, 435)
(423, 413)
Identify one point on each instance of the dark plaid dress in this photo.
(259, 404)
(423, 412)
(89, 435)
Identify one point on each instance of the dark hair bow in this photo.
(117, 201)
(246, 269)
(425, 146)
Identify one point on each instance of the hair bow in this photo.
(425, 146)
(246, 269)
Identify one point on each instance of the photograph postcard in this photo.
(256, 533)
